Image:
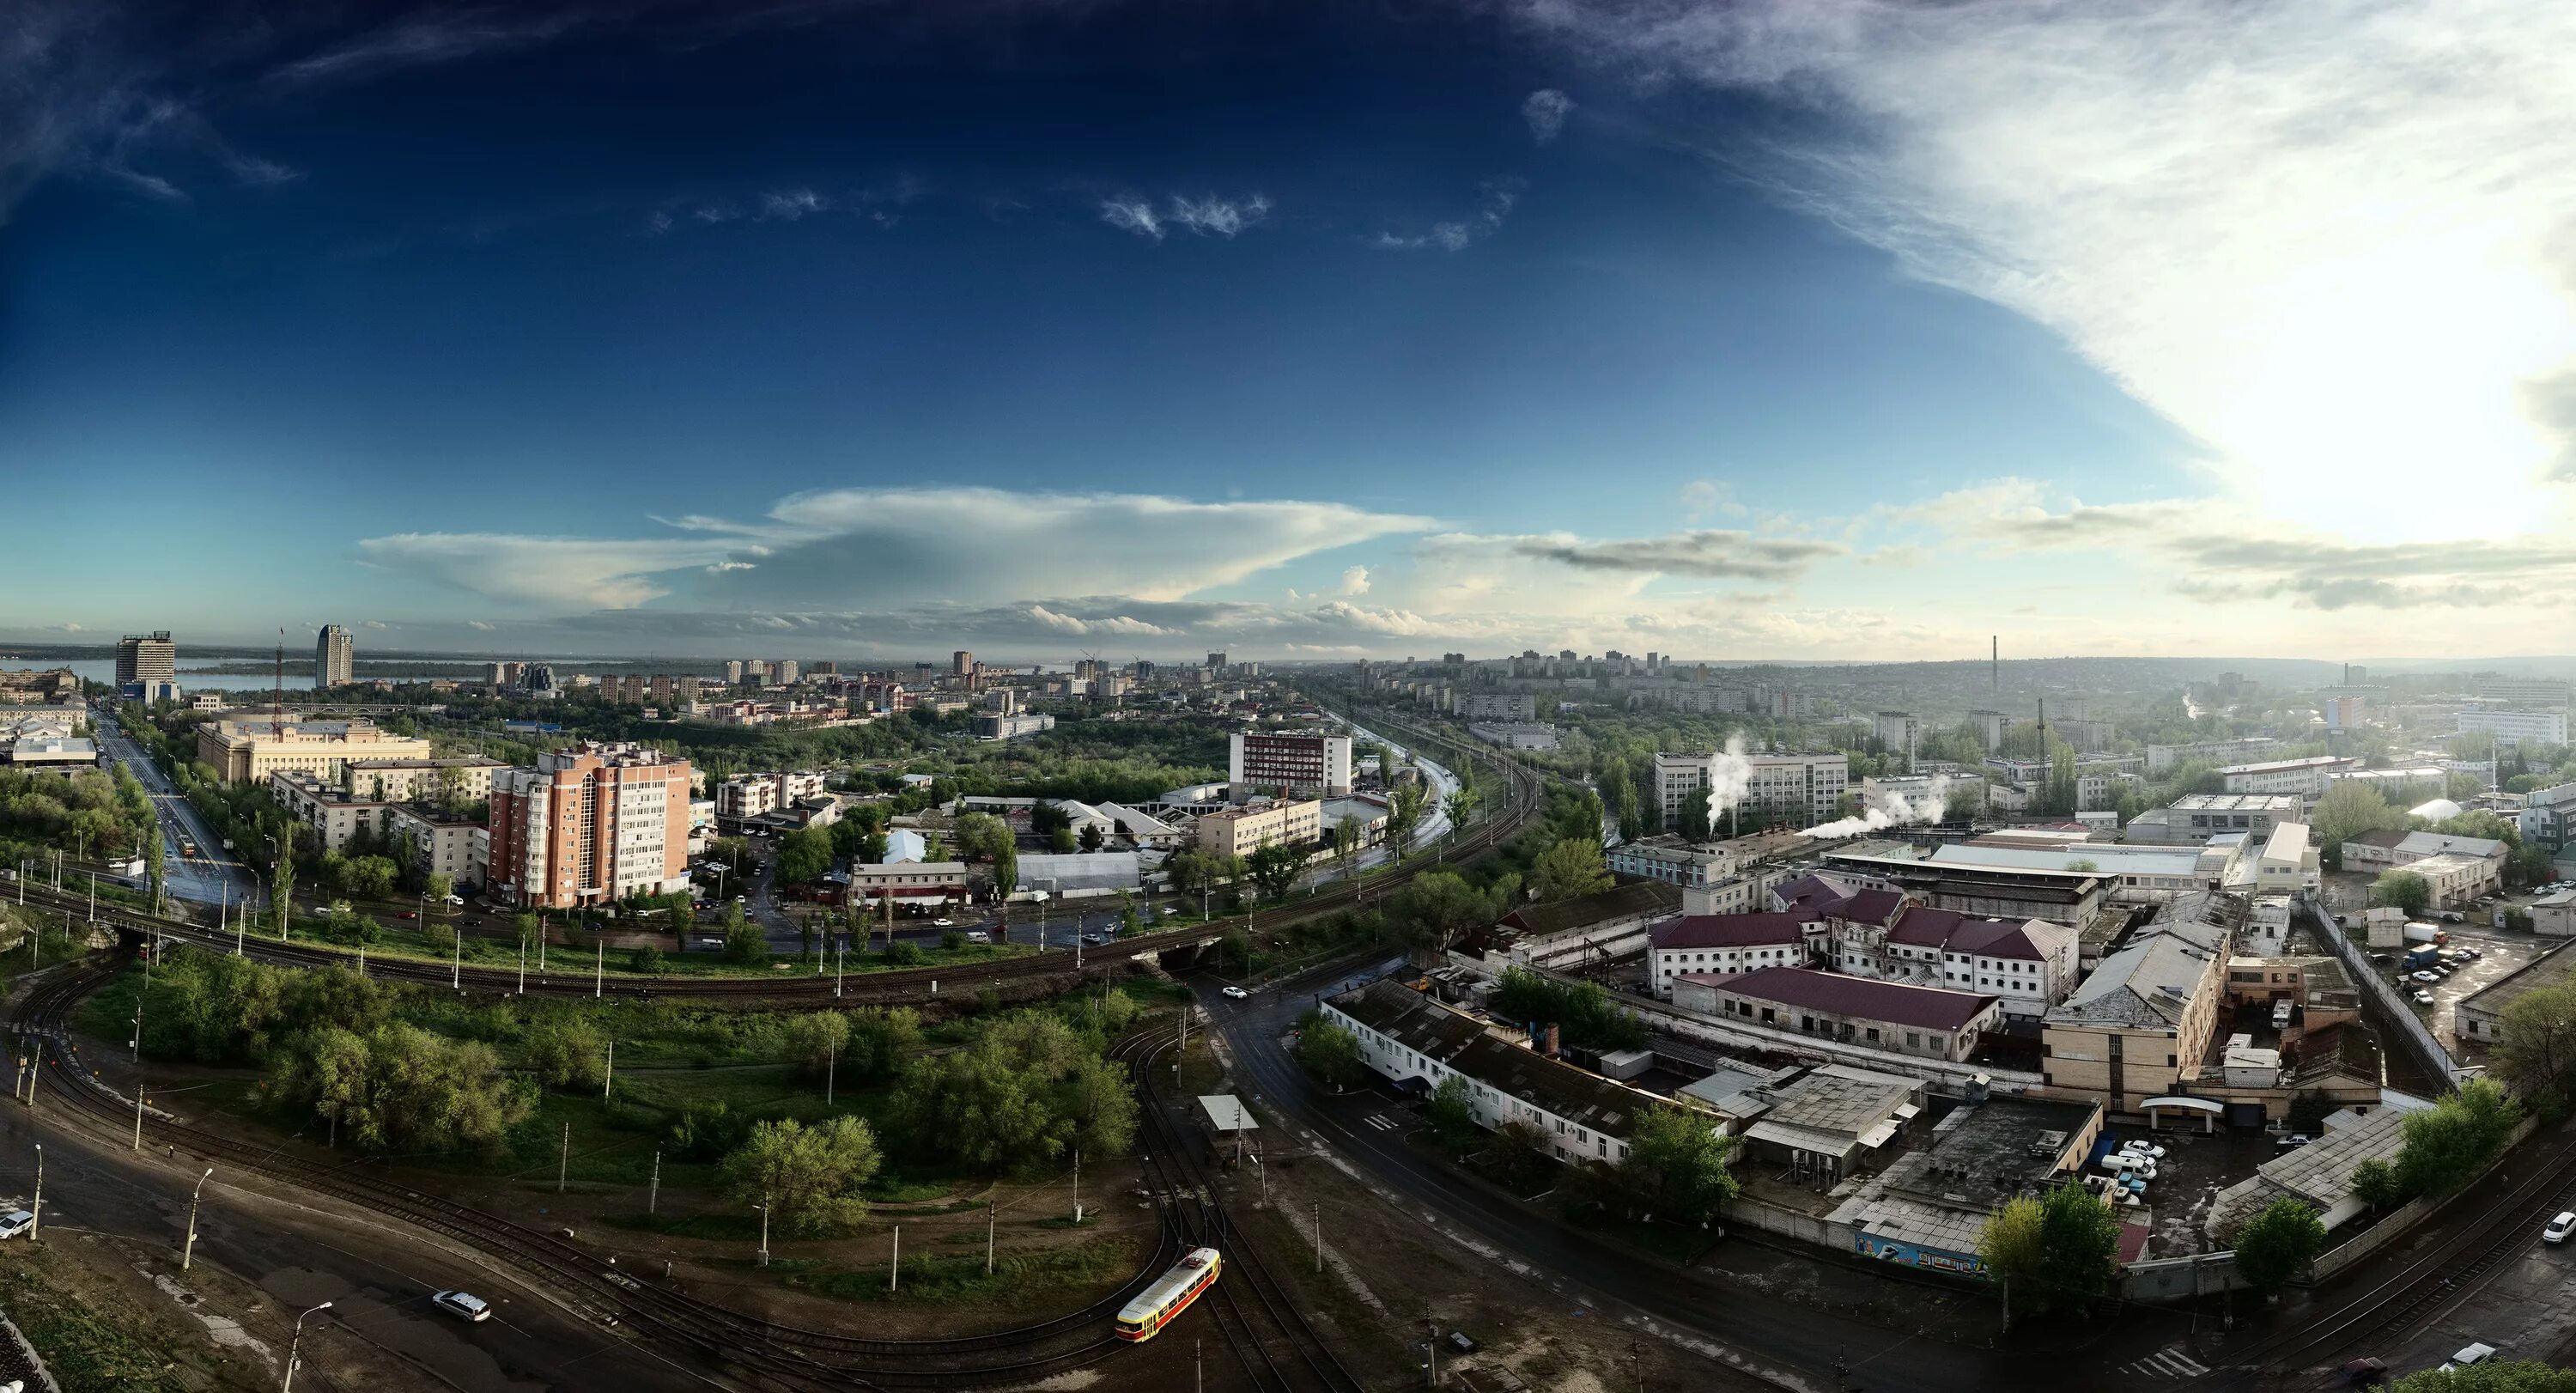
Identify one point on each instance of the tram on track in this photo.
(1171, 1294)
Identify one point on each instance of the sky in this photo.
(1776, 329)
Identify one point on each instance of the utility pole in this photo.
(188, 1254)
(523, 967)
(455, 965)
(894, 1272)
(563, 1159)
(1077, 1186)
(653, 1196)
(598, 968)
(764, 1233)
(36, 1209)
(831, 1066)
(992, 1211)
(138, 1114)
(1433, 1344)
(610, 1075)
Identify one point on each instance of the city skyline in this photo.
(1042, 330)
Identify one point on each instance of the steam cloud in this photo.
(1730, 780)
(1892, 810)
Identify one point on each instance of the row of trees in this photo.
(1582, 1011)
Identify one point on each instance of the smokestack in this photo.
(1995, 664)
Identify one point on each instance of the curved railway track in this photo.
(798, 989)
(1259, 1317)
(761, 1353)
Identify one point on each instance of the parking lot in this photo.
(2500, 953)
(2194, 1168)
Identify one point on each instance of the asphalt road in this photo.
(211, 876)
(378, 1275)
(1735, 1320)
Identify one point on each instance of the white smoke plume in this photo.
(1892, 809)
(1730, 781)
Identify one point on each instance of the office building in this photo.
(1898, 731)
(1800, 790)
(961, 663)
(1498, 706)
(335, 657)
(589, 825)
(1306, 764)
(2521, 691)
(2301, 778)
(248, 749)
(148, 657)
(461, 780)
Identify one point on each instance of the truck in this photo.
(2421, 956)
(2421, 932)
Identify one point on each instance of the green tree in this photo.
(2375, 1183)
(152, 854)
(2538, 1055)
(1432, 910)
(881, 1039)
(562, 1049)
(372, 877)
(2405, 890)
(810, 1042)
(2279, 1243)
(744, 942)
(804, 855)
(2349, 809)
(1459, 805)
(400, 1088)
(2494, 1376)
(2451, 1143)
(2055, 1253)
(1567, 868)
(813, 1178)
(1062, 842)
(1678, 1167)
(1274, 869)
(1451, 1111)
(1404, 809)
(1330, 1052)
(1346, 846)
(1021, 1095)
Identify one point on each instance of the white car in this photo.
(943, 923)
(2143, 1148)
(2423, 998)
(464, 1305)
(978, 936)
(2468, 1355)
(2559, 1228)
(16, 1222)
(1237, 993)
(2428, 975)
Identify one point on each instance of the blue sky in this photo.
(856, 330)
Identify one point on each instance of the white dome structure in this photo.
(2439, 810)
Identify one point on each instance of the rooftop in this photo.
(1729, 930)
(2236, 803)
(1646, 898)
(1927, 1008)
(1428, 1028)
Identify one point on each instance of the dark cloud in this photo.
(1712, 552)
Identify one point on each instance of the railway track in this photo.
(759, 1353)
(913, 985)
(1258, 1317)
(2394, 1305)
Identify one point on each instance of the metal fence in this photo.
(2409, 1030)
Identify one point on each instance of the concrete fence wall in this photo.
(2408, 1030)
(1747, 1212)
(2180, 1279)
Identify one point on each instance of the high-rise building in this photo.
(786, 671)
(1298, 763)
(733, 672)
(961, 664)
(148, 657)
(335, 657)
(589, 825)
(1216, 662)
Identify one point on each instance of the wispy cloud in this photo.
(791, 205)
(2325, 237)
(424, 40)
(1496, 203)
(1545, 110)
(1209, 216)
(1716, 553)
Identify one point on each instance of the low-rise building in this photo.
(443, 843)
(1008, 726)
(51, 754)
(2140, 1025)
(2388, 850)
(2517, 727)
(1671, 860)
(2303, 778)
(335, 814)
(1932, 1022)
(1727, 945)
(1516, 735)
(1242, 831)
(2196, 817)
(2287, 863)
(1498, 706)
(2554, 916)
(907, 880)
(1404, 1036)
(1823, 1124)
(1929, 1208)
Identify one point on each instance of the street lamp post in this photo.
(36, 1208)
(295, 1347)
(188, 1254)
(764, 1233)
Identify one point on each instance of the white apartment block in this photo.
(2521, 691)
(424, 780)
(1795, 788)
(442, 845)
(2302, 778)
(2162, 758)
(1498, 706)
(2517, 727)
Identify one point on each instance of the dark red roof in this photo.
(1924, 927)
(1810, 892)
(1926, 1008)
(1871, 907)
(1729, 930)
(1994, 938)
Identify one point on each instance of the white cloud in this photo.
(412, 43)
(1132, 215)
(1355, 580)
(479, 625)
(792, 204)
(1498, 198)
(559, 572)
(1701, 497)
(2325, 237)
(1546, 110)
(1209, 216)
